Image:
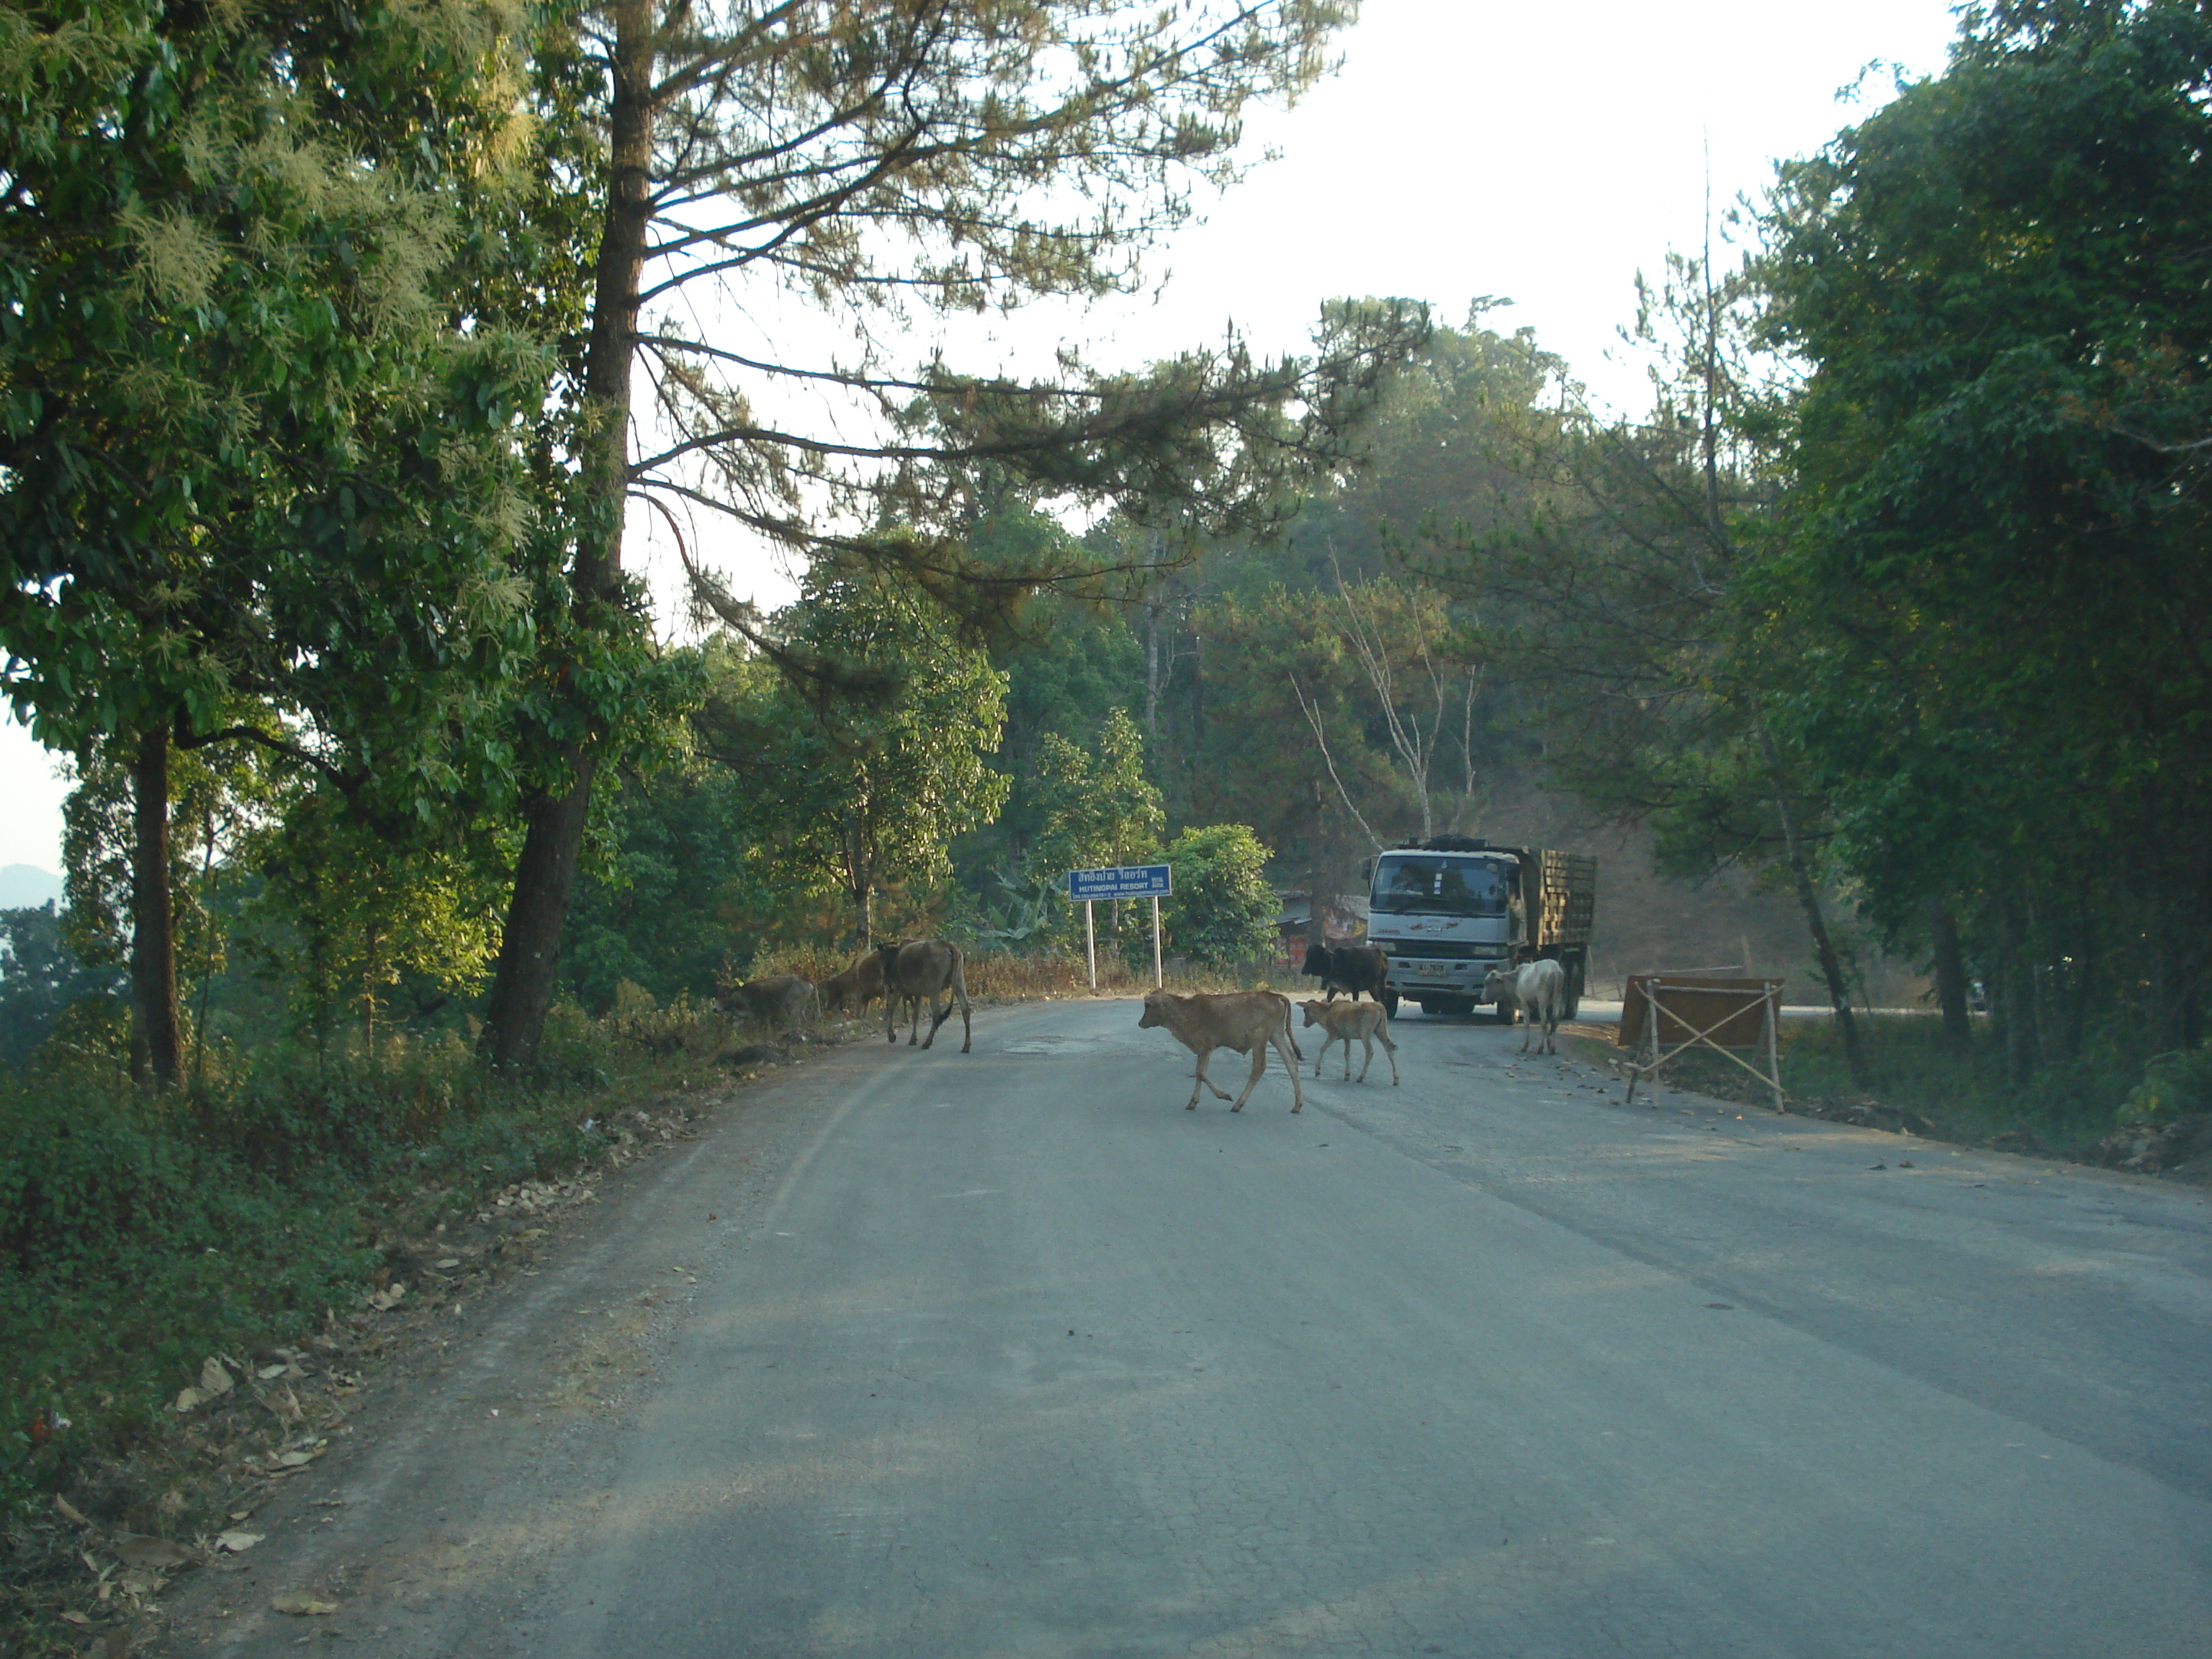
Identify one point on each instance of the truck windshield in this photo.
(1440, 886)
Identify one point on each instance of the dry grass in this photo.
(999, 976)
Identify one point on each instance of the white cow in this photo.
(1541, 989)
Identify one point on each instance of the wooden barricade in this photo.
(1665, 1014)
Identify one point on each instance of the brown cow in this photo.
(784, 997)
(1340, 1022)
(919, 970)
(856, 988)
(1246, 1021)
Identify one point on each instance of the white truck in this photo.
(1449, 910)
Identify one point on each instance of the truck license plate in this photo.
(1432, 969)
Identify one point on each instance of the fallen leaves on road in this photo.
(233, 1540)
(302, 1607)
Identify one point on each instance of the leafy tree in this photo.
(860, 778)
(875, 162)
(666, 903)
(1610, 595)
(39, 976)
(1995, 594)
(1100, 810)
(1069, 665)
(1223, 911)
(253, 447)
(347, 923)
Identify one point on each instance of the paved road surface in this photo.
(1005, 1354)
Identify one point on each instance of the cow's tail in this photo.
(1290, 1032)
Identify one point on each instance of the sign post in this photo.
(1152, 881)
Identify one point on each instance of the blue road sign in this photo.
(1129, 881)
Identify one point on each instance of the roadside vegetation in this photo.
(409, 850)
(2102, 1108)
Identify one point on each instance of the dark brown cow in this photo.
(919, 970)
(856, 988)
(1353, 968)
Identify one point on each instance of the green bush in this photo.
(127, 1252)
(2068, 1105)
(1222, 910)
(138, 1237)
(2178, 1084)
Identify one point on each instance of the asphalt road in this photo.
(1006, 1354)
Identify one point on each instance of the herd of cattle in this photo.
(908, 973)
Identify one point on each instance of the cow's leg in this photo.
(960, 990)
(1390, 1048)
(1367, 1042)
(1347, 1057)
(1259, 1064)
(1322, 1055)
(1298, 1094)
(936, 1020)
(1204, 1082)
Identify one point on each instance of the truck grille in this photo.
(1448, 951)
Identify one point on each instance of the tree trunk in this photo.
(156, 1045)
(545, 875)
(2018, 1017)
(1951, 979)
(863, 895)
(1808, 899)
(368, 943)
(1153, 677)
(530, 949)
(1320, 871)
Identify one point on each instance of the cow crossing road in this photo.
(1010, 1355)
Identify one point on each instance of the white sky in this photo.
(1543, 154)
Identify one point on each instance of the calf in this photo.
(1246, 1021)
(917, 971)
(1541, 989)
(1344, 1021)
(1353, 968)
(784, 997)
(856, 988)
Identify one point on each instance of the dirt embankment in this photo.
(1646, 922)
